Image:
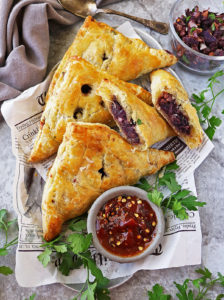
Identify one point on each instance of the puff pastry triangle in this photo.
(139, 123)
(172, 101)
(91, 159)
(111, 51)
(75, 99)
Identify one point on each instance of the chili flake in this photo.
(126, 228)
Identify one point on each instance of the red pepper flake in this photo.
(126, 228)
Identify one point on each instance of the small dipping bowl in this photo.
(127, 191)
(189, 58)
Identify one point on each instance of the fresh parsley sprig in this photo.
(191, 289)
(73, 252)
(204, 106)
(5, 224)
(179, 201)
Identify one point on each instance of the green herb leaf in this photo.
(3, 213)
(78, 226)
(197, 98)
(144, 185)
(45, 257)
(220, 296)
(222, 112)
(172, 166)
(212, 16)
(221, 278)
(185, 59)
(79, 243)
(90, 292)
(69, 263)
(101, 280)
(31, 297)
(204, 272)
(157, 293)
(188, 18)
(3, 252)
(192, 29)
(5, 270)
(206, 111)
(215, 122)
(213, 27)
(61, 248)
(139, 122)
(156, 197)
(210, 131)
(102, 294)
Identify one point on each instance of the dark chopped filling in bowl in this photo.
(168, 104)
(127, 127)
(203, 31)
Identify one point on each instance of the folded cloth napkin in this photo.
(24, 41)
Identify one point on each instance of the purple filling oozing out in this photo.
(168, 104)
(127, 127)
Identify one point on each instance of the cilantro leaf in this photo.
(169, 180)
(188, 18)
(31, 297)
(221, 278)
(220, 296)
(215, 122)
(204, 272)
(210, 131)
(211, 16)
(156, 197)
(192, 29)
(78, 226)
(172, 166)
(79, 243)
(3, 213)
(90, 292)
(61, 248)
(5, 270)
(102, 294)
(68, 263)
(3, 252)
(101, 280)
(157, 293)
(222, 112)
(45, 257)
(139, 122)
(144, 185)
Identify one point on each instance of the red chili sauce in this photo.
(125, 225)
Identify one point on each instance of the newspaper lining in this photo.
(182, 239)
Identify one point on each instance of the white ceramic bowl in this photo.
(130, 191)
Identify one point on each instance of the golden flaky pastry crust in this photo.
(74, 99)
(92, 159)
(148, 124)
(163, 81)
(111, 51)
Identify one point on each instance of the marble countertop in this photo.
(209, 176)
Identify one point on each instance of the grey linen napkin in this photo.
(24, 41)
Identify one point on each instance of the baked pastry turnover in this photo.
(172, 101)
(75, 99)
(92, 159)
(140, 124)
(111, 51)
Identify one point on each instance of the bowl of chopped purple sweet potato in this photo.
(197, 34)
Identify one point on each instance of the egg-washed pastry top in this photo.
(139, 123)
(92, 159)
(111, 51)
(75, 99)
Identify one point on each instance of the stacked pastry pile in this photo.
(88, 95)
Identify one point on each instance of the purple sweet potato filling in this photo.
(176, 117)
(127, 127)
